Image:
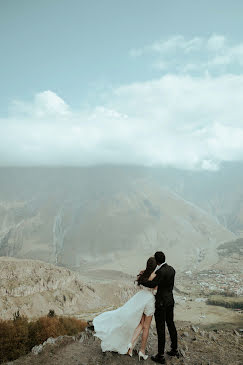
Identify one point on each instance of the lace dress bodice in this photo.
(152, 290)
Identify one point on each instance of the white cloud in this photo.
(230, 56)
(170, 45)
(177, 54)
(44, 104)
(192, 117)
(209, 165)
(216, 42)
(178, 120)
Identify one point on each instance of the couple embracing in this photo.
(119, 329)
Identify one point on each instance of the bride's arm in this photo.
(152, 276)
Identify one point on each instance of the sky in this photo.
(124, 82)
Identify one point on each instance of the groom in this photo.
(164, 306)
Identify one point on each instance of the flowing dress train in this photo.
(116, 328)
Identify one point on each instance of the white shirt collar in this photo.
(159, 266)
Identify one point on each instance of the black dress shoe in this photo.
(160, 359)
(173, 352)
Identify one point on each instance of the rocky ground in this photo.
(197, 347)
(208, 334)
(33, 287)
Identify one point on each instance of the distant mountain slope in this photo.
(220, 192)
(71, 216)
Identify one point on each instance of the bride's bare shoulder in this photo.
(152, 276)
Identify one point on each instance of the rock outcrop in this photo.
(34, 287)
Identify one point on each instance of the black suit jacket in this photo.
(164, 279)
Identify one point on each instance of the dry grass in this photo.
(19, 335)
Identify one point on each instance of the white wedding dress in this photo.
(116, 328)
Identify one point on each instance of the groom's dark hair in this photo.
(159, 257)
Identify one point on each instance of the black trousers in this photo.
(162, 315)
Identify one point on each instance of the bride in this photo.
(119, 329)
